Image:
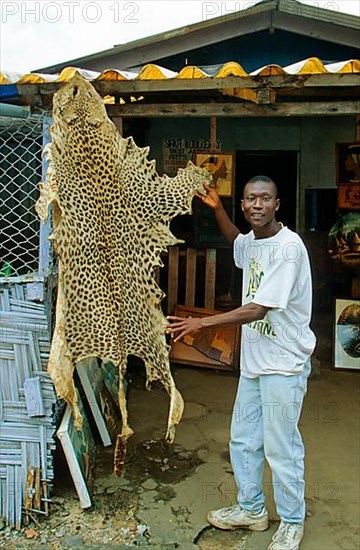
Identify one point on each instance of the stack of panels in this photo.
(27, 400)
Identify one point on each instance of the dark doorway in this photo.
(280, 166)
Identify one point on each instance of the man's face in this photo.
(259, 203)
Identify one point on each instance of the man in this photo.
(276, 346)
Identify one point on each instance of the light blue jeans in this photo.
(265, 425)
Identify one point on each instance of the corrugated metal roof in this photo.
(291, 7)
(291, 10)
(312, 65)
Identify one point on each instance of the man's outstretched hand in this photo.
(183, 326)
(211, 198)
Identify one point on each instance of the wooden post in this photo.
(213, 132)
(173, 278)
(190, 277)
(118, 121)
(157, 274)
(210, 273)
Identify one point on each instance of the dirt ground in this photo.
(165, 492)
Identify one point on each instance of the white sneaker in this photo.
(287, 537)
(234, 518)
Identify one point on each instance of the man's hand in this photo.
(184, 326)
(211, 198)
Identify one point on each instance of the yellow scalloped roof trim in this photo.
(154, 72)
(271, 70)
(231, 68)
(109, 100)
(313, 65)
(32, 78)
(8, 77)
(111, 75)
(190, 71)
(67, 73)
(352, 66)
(151, 72)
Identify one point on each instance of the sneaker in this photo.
(234, 518)
(287, 537)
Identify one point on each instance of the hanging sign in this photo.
(177, 152)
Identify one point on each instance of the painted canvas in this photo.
(344, 240)
(79, 450)
(213, 348)
(348, 162)
(99, 398)
(349, 196)
(347, 334)
(222, 168)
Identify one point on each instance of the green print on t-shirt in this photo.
(256, 274)
(264, 327)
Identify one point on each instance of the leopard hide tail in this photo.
(126, 432)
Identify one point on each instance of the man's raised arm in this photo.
(226, 226)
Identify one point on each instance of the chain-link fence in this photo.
(21, 143)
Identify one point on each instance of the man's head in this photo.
(259, 204)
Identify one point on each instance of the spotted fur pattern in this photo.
(111, 220)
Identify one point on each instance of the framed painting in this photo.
(344, 240)
(216, 347)
(349, 196)
(347, 334)
(348, 162)
(111, 379)
(79, 451)
(222, 168)
(99, 398)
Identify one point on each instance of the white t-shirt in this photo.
(276, 274)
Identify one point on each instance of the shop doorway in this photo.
(282, 167)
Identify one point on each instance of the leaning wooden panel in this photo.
(216, 347)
